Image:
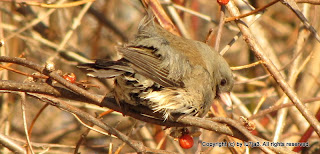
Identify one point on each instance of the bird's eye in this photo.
(223, 82)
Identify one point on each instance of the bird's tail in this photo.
(106, 69)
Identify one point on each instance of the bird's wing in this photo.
(146, 63)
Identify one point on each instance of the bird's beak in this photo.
(225, 98)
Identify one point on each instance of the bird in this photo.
(166, 73)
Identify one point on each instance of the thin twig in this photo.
(220, 27)
(291, 4)
(25, 126)
(75, 24)
(33, 22)
(177, 20)
(90, 127)
(138, 146)
(315, 2)
(57, 6)
(36, 117)
(22, 73)
(85, 133)
(236, 37)
(246, 66)
(277, 107)
(252, 12)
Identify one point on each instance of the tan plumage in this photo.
(166, 73)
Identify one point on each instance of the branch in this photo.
(291, 4)
(208, 124)
(315, 2)
(42, 88)
(136, 145)
(139, 112)
(53, 75)
(256, 48)
(11, 145)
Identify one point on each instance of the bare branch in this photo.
(255, 47)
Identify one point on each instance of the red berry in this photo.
(186, 141)
(70, 77)
(223, 2)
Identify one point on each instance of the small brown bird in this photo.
(166, 73)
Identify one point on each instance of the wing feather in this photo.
(149, 65)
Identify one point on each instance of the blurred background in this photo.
(69, 35)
